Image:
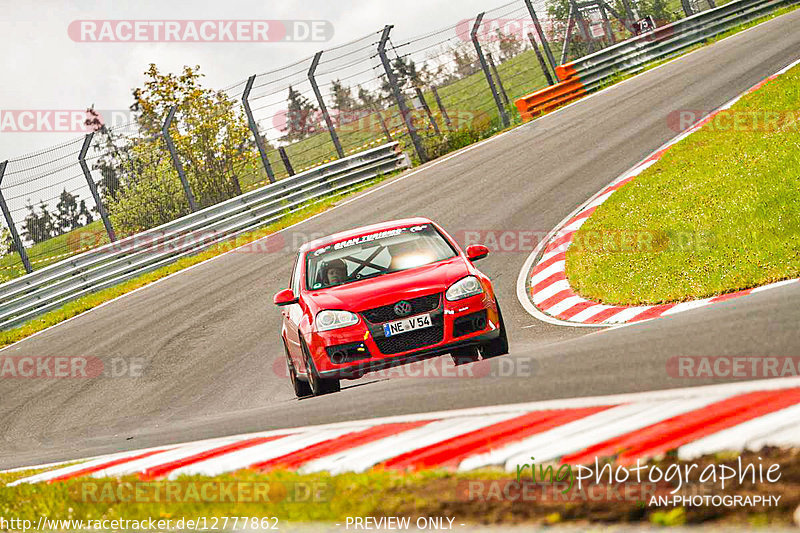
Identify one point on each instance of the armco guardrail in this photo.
(628, 57)
(24, 298)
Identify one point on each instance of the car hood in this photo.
(389, 288)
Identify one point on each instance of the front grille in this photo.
(464, 325)
(411, 340)
(346, 353)
(385, 313)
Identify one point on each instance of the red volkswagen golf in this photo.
(385, 295)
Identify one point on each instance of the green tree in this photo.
(38, 227)
(6, 242)
(67, 216)
(301, 117)
(342, 96)
(508, 44)
(210, 134)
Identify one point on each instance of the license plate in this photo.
(407, 324)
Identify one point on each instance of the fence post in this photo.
(541, 59)
(441, 108)
(427, 109)
(582, 26)
(568, 35)
(398, 95)
(176, 160)
(497, 77)
(474, 36)
(629, 15)
(322, 107)
(384, 127)
(606, 23)
(251, 123)
(285, 159)
(87, 141)
(10, 223)
(548, 52)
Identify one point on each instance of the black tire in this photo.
(318, 385)
(301, 388)
(498, 346)
(464, 356)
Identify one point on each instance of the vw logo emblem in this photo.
(402, 308)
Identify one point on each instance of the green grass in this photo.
(53, 250)
(720, 212)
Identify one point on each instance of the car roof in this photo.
(363, 230)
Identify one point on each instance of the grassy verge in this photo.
(718, 213)
(487, 496)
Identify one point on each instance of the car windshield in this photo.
(375, 254)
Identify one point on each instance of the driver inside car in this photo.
(335, 272)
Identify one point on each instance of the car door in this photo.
(291, 319)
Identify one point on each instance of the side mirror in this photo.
(285, 297)
(476, 251)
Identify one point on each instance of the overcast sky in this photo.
(43, 68)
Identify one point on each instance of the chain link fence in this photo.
(434, 93)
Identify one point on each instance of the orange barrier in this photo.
(549, 98)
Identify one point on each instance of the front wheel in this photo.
(301, 388)
(318, 384)
(498, 346)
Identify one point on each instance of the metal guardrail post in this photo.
(542, 64)
(548, 52)
(441, 108)
(285, 159)
(427, 109)
(176, 160)
(23, 255)
(497, 77)
(474, 36)
(398, 95)
(87, 141)
(321, 103)
(251, 123)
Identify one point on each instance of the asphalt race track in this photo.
(208, 337)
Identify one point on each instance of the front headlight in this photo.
(335, 319)
(464, 288)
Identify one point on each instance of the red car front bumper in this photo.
(353, 351)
